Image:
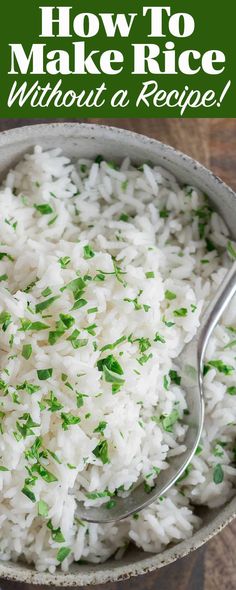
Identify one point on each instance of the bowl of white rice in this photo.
(112, 245)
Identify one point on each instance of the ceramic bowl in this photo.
(82, 140)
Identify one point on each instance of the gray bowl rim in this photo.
(226, 515)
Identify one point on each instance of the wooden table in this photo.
(212, 142)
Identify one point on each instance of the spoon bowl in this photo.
(190, 364)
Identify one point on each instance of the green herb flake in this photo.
(101, 452)
(142, 360)
(220, 366)
(53, 404)
(167, 323)
(97, 495)
(111, 363)
(44, 374)
(231, 250)
(101, 427)
(174, 377)
(199, 450)
(28, 492)
(5, 320)
(150, 275)
(45, 304)
(111, 504)
(186, 473)
(46, 292)
(114, 344)
(52, 221)
(44, 473)
(164, 214)
(3, 277)
(231, 390)
(80, 399)
(218, 474)
(169, 421)
(64, 261)
(166, 382)
(56, 534)
(159, 338)
(88, 252)
(63, 553)
(79, 303)
(69, 419)
(44, 209)
(124, 216)
(169, 295)
(92, 310)
(25, 428)
(26, 351)
(28, 387)
(43, 508)
(181, 313)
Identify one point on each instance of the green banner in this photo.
(126, 58)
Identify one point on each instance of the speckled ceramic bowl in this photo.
(89, 140)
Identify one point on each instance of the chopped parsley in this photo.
(88, 252)
(186, 473)
(28, 387)
(44, 473)
(78, 304)
(231, 250)
(5, 320)
(150, 275)
(231, 390)
(45, 304)
(92, 310)
(111, 363)
(181, 313)
(218, 474)
(56, 534)
(167, 323)
(142, 360)
(53, 404)
(174, 377)
(220, 366)
(44, 209)
(101, 452)
(169, 295)
(44, 374)
(69, 419)
(64, 261)
(169, 421)
(26, 351)
(80, 399)
(166, 383)
(28, 492)
(101, 427)
(164, 214)
(42, 508)
(124, 216)
(114, 344)
(25, 424)
(63, 553)
(3, 277)
(159, 338)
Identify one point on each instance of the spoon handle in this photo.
(215, 310)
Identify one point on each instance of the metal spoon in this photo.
(190, 363)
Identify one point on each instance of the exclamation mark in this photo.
(227, 87)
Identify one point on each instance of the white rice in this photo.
(166, 253)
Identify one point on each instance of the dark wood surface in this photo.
(212, 142)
